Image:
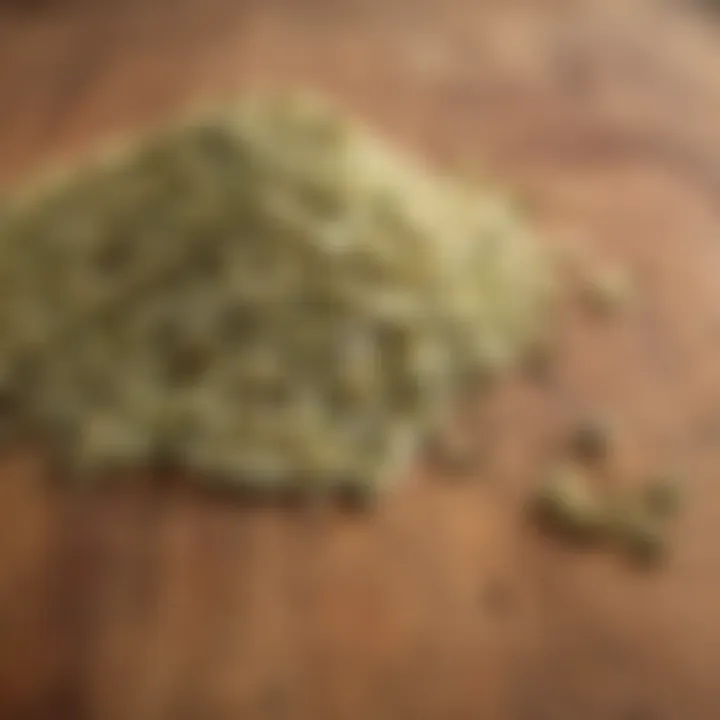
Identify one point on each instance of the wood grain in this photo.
(154, 601)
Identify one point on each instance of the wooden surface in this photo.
(158, 603)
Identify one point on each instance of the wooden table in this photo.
(156, 602)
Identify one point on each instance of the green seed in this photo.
(566, 501)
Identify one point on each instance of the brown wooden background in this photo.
(137, 603)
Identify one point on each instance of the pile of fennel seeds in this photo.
(266, 294)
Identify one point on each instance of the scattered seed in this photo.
(567, 503)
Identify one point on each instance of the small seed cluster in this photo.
(267, 294)
(572, 503)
